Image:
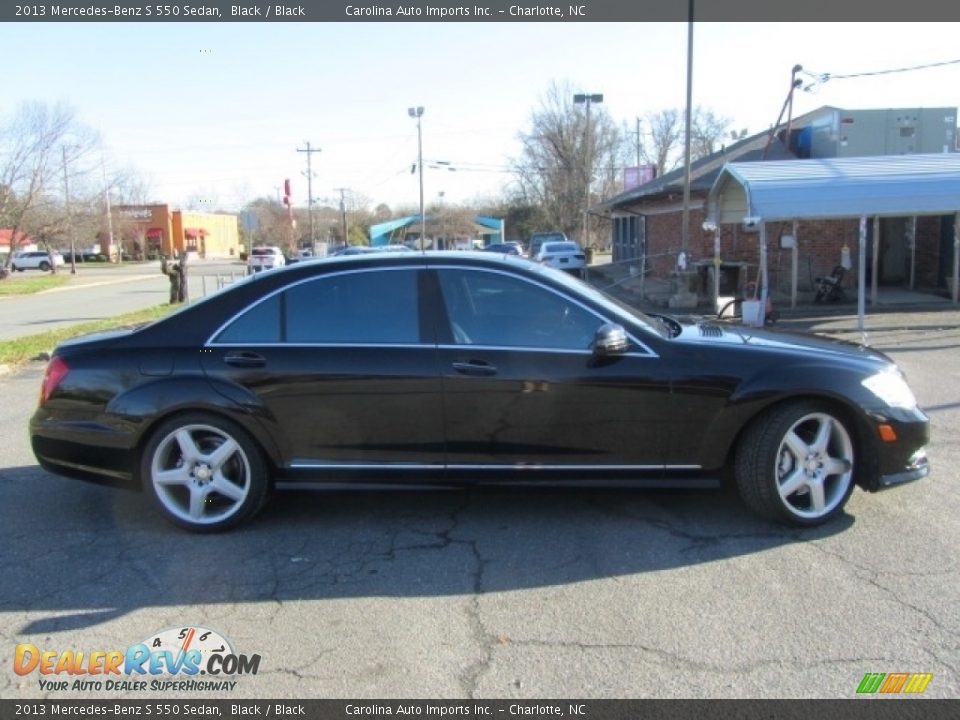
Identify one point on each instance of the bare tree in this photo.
(665, 134)
(663, 144)
(552, 172)
(38, 146)
(707, 129)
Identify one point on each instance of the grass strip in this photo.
(22, 349)
(17, 285)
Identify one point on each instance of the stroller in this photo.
(830, 288)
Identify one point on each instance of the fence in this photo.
(655, 282)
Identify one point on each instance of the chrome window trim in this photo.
(307, 465)
(402, 346)
(416, 268)
(647, 351)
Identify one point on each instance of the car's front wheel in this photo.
(204, 472)
(796, 463)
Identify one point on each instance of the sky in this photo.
(217, 110)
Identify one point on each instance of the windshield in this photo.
(606, 301)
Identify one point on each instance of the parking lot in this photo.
(497, 594)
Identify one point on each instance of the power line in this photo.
(820, 78)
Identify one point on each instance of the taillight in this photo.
(57, 370)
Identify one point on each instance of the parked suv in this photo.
(35, 260)
(265, 257)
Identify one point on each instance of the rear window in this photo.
(265, 251)
(561, 247)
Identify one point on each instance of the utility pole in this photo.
(638, 151)
(309, 151)
(106, 195)
(343, 212)
(66, 196)
(685, 222)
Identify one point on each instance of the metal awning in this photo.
(830, 188)
(756, 193)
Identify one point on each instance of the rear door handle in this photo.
(245, 359)
(476, 368)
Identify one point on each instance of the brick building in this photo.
(646, 221)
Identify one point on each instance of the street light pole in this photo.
(417, 112)
(587, 99)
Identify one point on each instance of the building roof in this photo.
(885, 185)
(704, 172)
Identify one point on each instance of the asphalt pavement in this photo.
(509, 594)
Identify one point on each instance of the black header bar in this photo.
(439, 11)
(854, 709)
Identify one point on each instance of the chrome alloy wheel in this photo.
(200, 474)
(814, 466)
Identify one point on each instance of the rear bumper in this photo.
(102, 462)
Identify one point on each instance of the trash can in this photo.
(588, 255)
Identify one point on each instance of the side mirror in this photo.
(611, 339)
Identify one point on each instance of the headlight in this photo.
(890, 387)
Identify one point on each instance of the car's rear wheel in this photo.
(45, 266)
(796, 463)
(204, 472)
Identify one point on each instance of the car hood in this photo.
(776, 341)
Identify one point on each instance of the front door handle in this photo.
(245, 359)
(476, 368)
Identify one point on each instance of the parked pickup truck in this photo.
(265, 257)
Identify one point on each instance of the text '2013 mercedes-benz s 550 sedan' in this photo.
(466, 368)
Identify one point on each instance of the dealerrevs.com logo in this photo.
(176, 659)
(894, 683)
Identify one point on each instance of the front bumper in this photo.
(905, 459)
(918, 467)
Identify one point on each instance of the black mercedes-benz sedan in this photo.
(461, 368)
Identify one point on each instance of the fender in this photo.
(763, 390)
(144, 405)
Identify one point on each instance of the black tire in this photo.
(16, 268)
(45, 266)
(795, 464)
(197, 483)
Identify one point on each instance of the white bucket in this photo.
(752, 313)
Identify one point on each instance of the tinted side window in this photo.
(487, 308)
(259, 324)
(359, 307)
